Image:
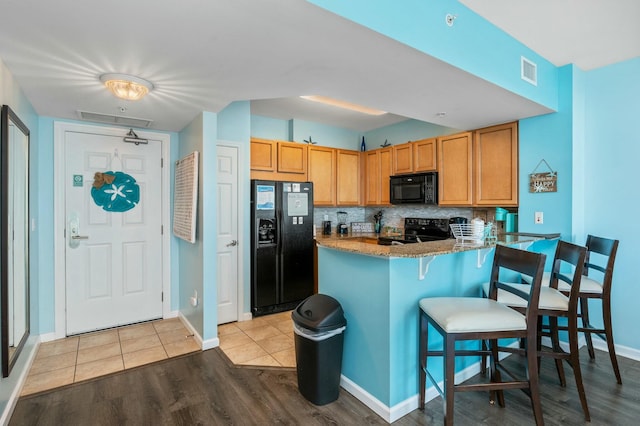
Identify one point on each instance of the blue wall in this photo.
(405, 131)
(191, 263)
(300, 130)
(609, 182)
(472, 43)
(11, 94)
(548, 137)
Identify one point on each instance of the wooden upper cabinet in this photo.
(402, 158)
(371, 177)
(424, 155)
(378, 169)
(292, 158)
(495, 152)
(455, 173)
(347, 177)
(322, 172)
(263, 155)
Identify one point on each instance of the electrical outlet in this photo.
(538, 218)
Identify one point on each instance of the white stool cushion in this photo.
(587, 285)
(550, 298)
(472, 314)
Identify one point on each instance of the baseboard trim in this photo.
(391, 414)
(192, 329)
(247, 316)
(48, 337)
(623, 351)
(20, 381)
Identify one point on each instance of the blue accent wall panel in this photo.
(548, 137)
(611, 203)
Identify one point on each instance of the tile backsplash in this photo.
(391, 216)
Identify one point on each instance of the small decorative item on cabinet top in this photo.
(543, 182)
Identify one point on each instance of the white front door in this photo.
(227, 238)
(113, 256)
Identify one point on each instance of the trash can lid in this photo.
(319, 312)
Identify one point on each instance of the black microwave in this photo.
(418, 188)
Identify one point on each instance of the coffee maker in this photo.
(342, 228)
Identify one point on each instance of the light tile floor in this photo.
(262, 341)
(86, 356)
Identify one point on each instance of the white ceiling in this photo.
(202, 55)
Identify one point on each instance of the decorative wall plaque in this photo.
(543, 182)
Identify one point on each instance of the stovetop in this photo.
(420, 230)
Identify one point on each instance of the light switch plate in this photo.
(538, 218)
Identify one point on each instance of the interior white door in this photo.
(112, 259)
(227, 237)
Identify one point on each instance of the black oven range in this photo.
(419, 230)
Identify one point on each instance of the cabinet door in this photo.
(292, 158)
(424, 155)
(455, 170)
(378, 169)
(386, 171)
(322, 172)
(495, 152)
(403, 158)
(348, 177)
(372, 177)
(263, 155)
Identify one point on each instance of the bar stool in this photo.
(469, 318)
(594, 289)
(554, 303)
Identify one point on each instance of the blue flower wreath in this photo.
(122, 194)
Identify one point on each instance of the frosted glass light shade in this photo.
(125, 86)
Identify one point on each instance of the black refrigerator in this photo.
(281, 245)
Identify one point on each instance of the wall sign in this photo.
(543, 182)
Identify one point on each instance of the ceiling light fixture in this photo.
(346, 105)
(125, 86)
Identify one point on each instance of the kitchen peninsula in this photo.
(379, 288)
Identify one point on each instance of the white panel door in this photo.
(227, 238)
(112, 259)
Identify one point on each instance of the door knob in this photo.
(232, 243)
(79, 237)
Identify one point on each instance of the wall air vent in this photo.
(118, 120)
(528, 71)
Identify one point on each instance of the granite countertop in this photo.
(366, 244)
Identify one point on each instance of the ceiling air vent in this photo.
(528, 71)
(118, 120)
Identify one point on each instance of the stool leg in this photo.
(555, 344)
(422, 361)
(584, 314)
(495, 373)
(574, 360)
(449, 375)
(608, 330)
(532, 374)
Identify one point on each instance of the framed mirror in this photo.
(14, 236)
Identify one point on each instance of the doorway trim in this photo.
(60, 128)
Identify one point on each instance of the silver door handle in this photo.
(233, 243)
(79, 237)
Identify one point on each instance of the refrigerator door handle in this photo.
(279, 254)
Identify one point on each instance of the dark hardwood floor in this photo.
(206, 389)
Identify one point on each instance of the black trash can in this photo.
(318, 324)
